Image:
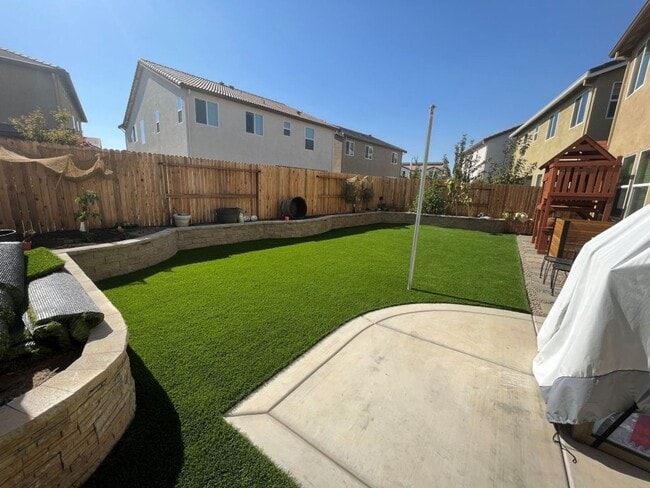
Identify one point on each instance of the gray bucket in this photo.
(296, 208)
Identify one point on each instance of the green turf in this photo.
(41, 262)
(210, 325)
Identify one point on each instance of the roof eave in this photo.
(634, 33)
(562, 96)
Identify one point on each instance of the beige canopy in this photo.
(61, 165)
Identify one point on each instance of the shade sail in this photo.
(594, 347)
(61, 165)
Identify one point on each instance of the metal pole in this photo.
(418, 215)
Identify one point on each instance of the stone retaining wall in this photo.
(58, 433)
(115, 259)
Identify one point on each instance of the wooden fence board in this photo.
(145, 188)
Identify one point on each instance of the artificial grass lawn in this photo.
(41, 262)
(209, 326)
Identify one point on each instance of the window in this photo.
(641, 61)
(552, 125)
(368, 154)
(349, 148)
(538, 179)
(613, 100)
(156, 117)
(620, 200)
(640, 185)
(134, 134)
(535, 133)
(143, 137)
(286, 128)
(179, 109)
(309, 138)
(393, 158)
(579, 109)
(207, 113)
(254, 123)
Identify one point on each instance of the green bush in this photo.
(434, 201)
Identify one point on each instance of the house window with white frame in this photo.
(622, 191)
(179, 110)
(156, 118)
(393, 158)
(613, 100)
(134, 134)
(207, 113)
(368, 153)
(254, 123)
(143, 137)
(286, 128)
(640, 184)
(535, 133)
(538, 179)
(579, 109)
(349, 148)
(309, 138)
(641, 61)
(552, 125)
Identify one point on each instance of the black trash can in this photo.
(227, 215)
(8, 235)
(296, 208)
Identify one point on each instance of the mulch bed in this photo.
(73, 238)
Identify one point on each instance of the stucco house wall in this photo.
(157, 94)
(25, 88)
(595, 124)
(380, 165)
(230, 141)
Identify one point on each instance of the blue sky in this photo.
(371, 66)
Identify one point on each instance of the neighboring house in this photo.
(433, 169)
(630, 136)
(172, 112)
(27, 84)
(487, 154)
(587, 106)
(364, 154)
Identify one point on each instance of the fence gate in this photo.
(200, 189)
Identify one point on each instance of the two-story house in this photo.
(366, 155)
(587, 106)
(414, 168)
(487, 154)
(630, 135)
(172, 112)
(27, 84)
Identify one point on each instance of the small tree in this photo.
(357, 190)
(514, 170)
(433, 201)
(32, 127)
(87, 211)
(459, 191)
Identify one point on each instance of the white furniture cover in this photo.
(594, 347)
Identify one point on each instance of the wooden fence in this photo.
(146, 188)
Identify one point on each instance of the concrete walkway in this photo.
(425, 395)
(415, 395)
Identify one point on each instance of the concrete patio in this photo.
(421, 395)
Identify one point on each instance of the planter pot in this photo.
(229, 215)
(8, 235)
(83, 227)
(182, 220)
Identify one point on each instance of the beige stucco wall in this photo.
(596, 124)
(630, 131)
(157, 94)
(230, 141)
(379, 165)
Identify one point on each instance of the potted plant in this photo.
(86, 201)
(181, 219)
(28, 235)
